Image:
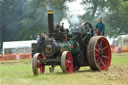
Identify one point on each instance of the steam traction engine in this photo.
(70, 49)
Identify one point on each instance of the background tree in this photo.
(35, 17)
(117, 20)
(10, 16)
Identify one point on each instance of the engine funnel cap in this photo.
(50, 11)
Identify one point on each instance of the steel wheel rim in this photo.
(69, 63)
(102, 53)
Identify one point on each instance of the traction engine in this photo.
(70, 49)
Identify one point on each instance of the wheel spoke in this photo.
(101, 42)
(69, 68)
(105, 57)
(38, 65)
(40, 69)
(98, 62)
(97, 59)
(105, 47)
(97, 50)
(98, 46)
(67, 63)
(96, 54)
(103, 64)
(69, 58)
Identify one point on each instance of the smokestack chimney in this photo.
(50, 22)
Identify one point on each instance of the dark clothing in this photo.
(100, 27)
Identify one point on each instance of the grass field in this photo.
(20, 73)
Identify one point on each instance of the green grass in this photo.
(20, 73)
(120, 58)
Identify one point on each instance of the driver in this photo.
(100, 27)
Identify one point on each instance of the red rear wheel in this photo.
(37, 67)
(67, 62)
(99, 53)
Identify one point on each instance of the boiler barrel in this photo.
(70, 46)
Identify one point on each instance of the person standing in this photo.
(100, 27)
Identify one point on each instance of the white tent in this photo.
(17, 44)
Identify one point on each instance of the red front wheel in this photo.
(67, 62)
(37, 67)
